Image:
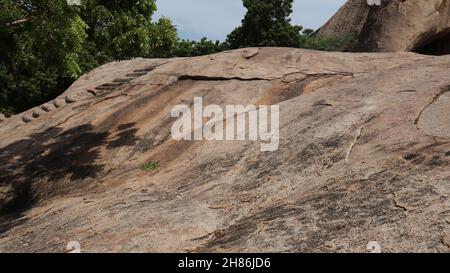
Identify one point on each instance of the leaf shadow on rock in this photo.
(54, 162)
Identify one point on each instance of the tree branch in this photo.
(18, 22)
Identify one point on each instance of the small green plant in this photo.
(310, 40)
(150, 166)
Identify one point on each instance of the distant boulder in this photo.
(397, 25)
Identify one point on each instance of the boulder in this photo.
(395, 25)
(363, 159)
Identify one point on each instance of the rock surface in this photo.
(364, 156)
(395, 25)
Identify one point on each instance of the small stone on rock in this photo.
(47, 107)
(58, 103)
(250, 53)
(71, 99)
(27, 118)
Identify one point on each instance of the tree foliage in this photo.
(188, 48)
(46, 45)
(124, 28)
(309, 40)
(266, 23)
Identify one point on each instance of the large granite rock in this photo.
(395, 25)
(364, 156)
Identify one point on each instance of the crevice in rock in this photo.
(321, 75)
(353, 144)
(110, 98)
(397, 204)
(218, 78)
(442, 91)
(438, 44)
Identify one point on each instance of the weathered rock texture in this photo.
(364, 156)
(397, 25)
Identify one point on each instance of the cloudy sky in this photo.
(216, 18)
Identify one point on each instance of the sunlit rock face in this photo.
(395, 25)
(363, 156)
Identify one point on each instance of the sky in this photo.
(216, 18)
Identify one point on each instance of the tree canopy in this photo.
(266, 23)
(124, 28)
(46, 45)
(39, 49)
(188, 48)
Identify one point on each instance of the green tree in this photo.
(124, 28)
(266, 23)
(310, 40)
(46, 45)
(40, 42)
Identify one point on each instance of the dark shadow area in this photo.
(126, 136)
(54, 162)
(438, 45)
(8, 222)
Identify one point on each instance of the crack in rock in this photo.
(218, 78)
(353, 144)
(397, 204)
(442, 91)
